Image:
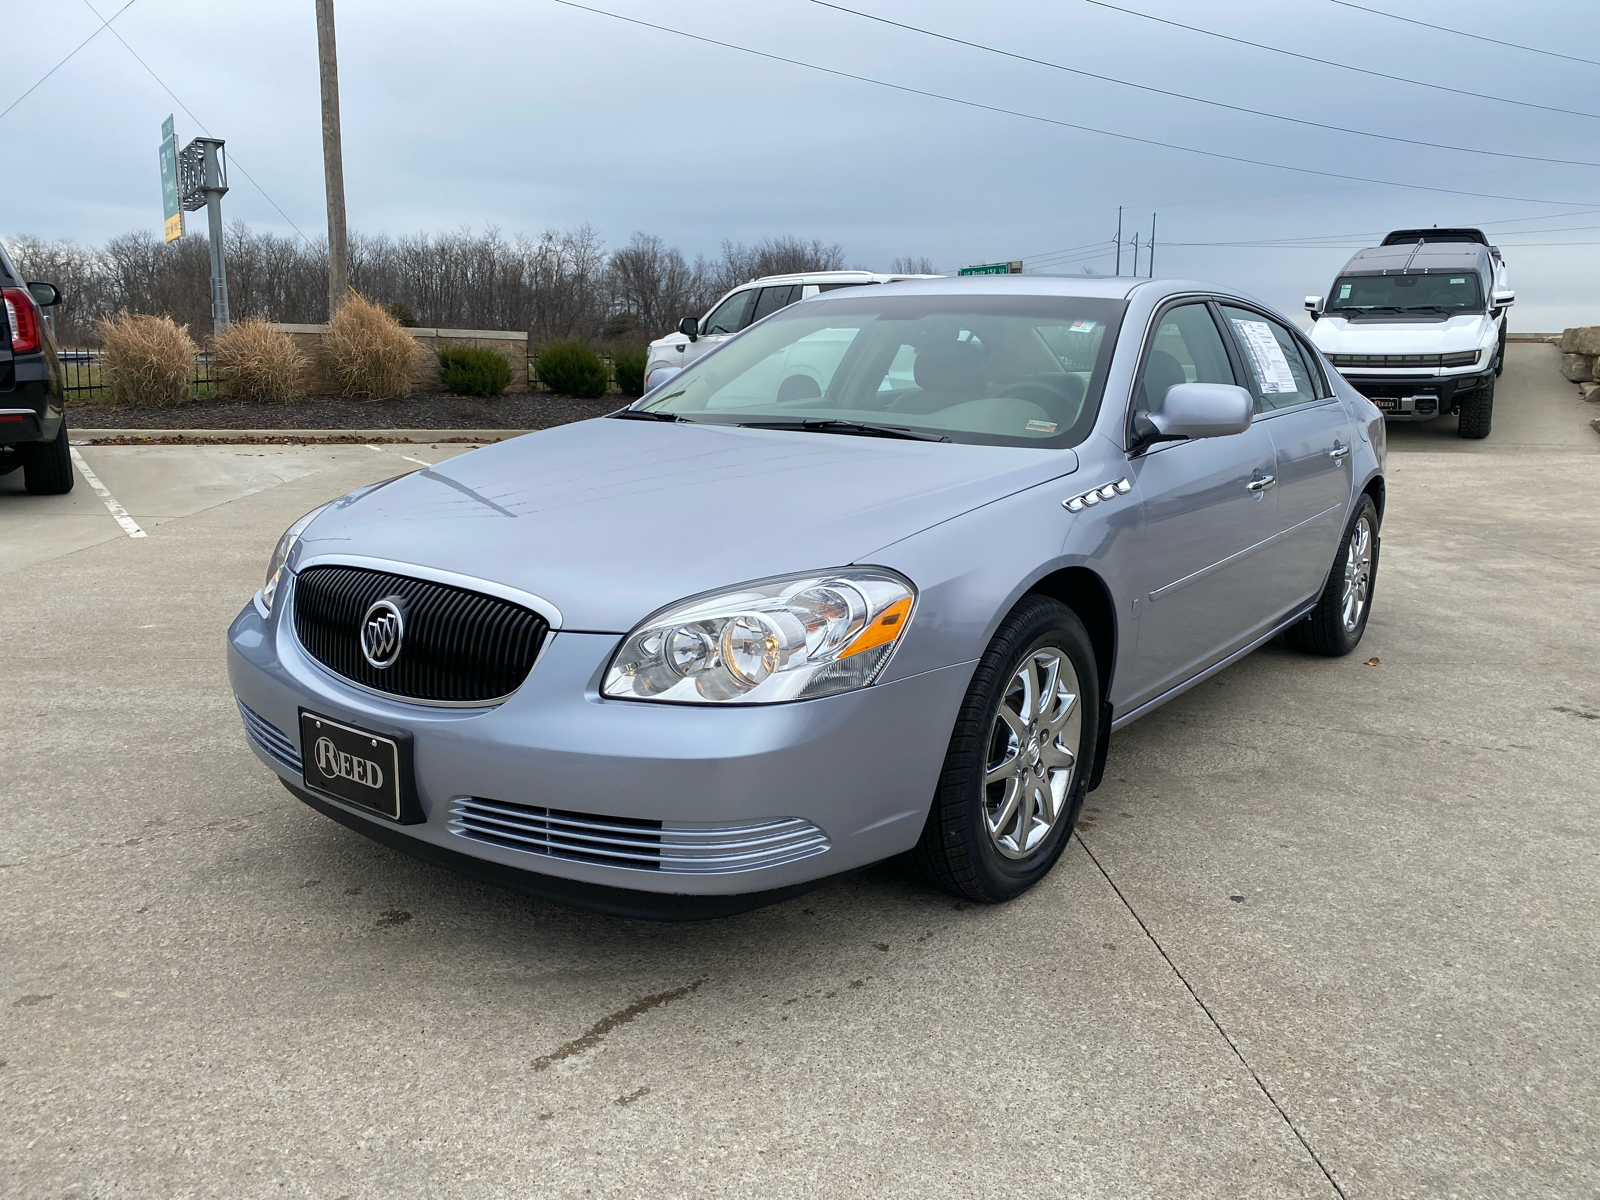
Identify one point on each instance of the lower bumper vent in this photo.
(269, 739)
(636, 844)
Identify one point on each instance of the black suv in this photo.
(33, 422)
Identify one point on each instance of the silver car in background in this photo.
(877, 577)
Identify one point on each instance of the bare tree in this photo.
(911, 266)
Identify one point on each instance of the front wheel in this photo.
(1336, 624)
(1477, 411)
(1019, 759)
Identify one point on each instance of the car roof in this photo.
(1401, 237)
(832, 277)
(1098, 287)
(1419, 258)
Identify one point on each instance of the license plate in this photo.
(1387, 403)
(351, 764)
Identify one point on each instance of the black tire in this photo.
(47, 466)
(1477, 411)
(956, 851)
(1325, 631)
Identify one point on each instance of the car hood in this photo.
(610, 520)
(1336, 335)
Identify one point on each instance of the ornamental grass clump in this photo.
(474, 371)
(573, 369)
(258, 363)
(628, 363)
(366, 352)
(145, 361)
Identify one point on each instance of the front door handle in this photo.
(1262, 484)
(1338, 453)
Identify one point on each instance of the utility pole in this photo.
(332, 159)
(1152, 245)
(1119, 239)
(1136, 256)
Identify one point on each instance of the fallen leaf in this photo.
(1372, 662)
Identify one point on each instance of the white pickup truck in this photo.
(745, 304)
(1418, 325)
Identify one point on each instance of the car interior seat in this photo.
(946, 373)
(1161, 372)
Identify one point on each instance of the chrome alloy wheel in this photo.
(1357, 575)
(1033, 748)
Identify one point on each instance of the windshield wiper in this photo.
(645, 414)
(856, 428)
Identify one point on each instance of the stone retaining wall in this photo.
(1580, 359)
(513, 345)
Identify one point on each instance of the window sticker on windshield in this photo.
(1344, 291)
(1458, 281)
(1081, 327)
(1040, 427)
(1272, 368)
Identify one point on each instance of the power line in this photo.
(1477, 37)
(1328, 62)
(233, 159)
(1144, 87)
(105, 23)
(1011, 112)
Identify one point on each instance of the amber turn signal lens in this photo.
(886, 628)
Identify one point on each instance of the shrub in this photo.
(258, 363)
(573, 369)
(629, 363)
(401, 311)
(366, 352)
(146, 361)
(474, 371)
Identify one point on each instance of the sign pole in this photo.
(332, 159)
(203, 168)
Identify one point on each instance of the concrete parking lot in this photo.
(1328, 929)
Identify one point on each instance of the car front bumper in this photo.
(739, 801)
(1417, 397)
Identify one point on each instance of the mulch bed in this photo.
(420, 410)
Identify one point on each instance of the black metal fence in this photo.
(83, 377)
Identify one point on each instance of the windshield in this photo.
(995, 370)
(1408, 293)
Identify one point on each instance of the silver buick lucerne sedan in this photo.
(878, 576)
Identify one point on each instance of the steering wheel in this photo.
(1055, 398)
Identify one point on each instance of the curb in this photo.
(287, 437)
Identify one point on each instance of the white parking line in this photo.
(418, 461)
(374, 449)
(129, 525)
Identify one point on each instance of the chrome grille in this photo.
(459, 647)
(271, 740)
(639, 845)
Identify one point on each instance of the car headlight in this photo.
(277, 564)
(792, 638)
(1465, 359)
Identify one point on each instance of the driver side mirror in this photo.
(1195, 410)
(1314, 306)
(690, 328)
(1504, 299)
(45, 295)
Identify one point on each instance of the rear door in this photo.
(1206, 513)
(1311, 437)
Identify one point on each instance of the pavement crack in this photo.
(596, 1032)
(1212, 1017)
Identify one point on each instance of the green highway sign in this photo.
(1005, 268)
(169, 180)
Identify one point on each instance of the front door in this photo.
(1208, 513)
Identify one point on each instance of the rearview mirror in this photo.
(659, 376)
(1503, 299)
(1314, 306)
(45, 295)
(690, 328)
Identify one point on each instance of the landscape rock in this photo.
(1579, 368)
(1584, 339)
(1590, 391)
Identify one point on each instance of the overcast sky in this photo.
(530, 115)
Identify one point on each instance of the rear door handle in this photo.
(1262, 484)
(1338, 453)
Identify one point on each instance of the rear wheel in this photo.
(1477, 411)
(47, 466)
(1336, 624)
(1019, 760)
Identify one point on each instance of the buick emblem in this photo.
(382, 631)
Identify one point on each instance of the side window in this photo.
(772, 299)
(1186, 349)
(1279, 373)
(730, 315)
